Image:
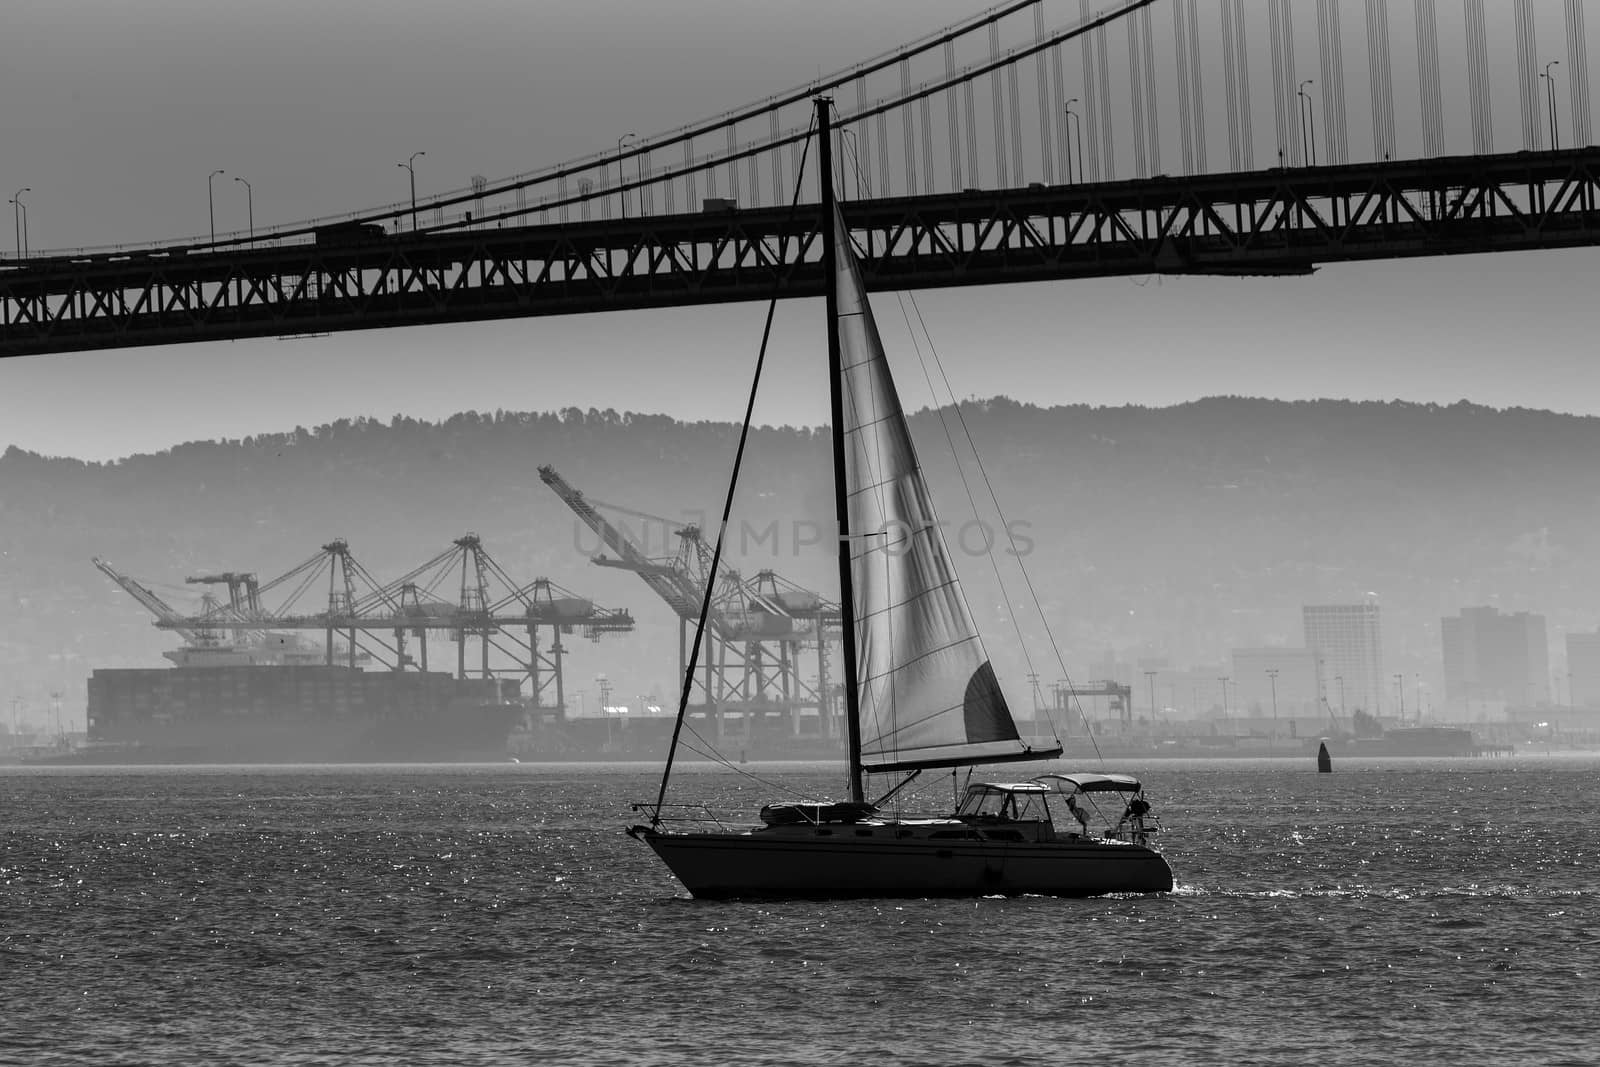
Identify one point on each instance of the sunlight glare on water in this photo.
(498, 915)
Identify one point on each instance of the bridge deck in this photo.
(1264, 222)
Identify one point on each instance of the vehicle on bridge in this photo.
(350, 233)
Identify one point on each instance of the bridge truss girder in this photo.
(1261, 222)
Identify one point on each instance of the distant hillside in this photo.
(1182, 531)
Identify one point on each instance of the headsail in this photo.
(928, 696)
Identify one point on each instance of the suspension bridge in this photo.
(1037, 140)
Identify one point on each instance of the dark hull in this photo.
(803, 864)
(276, 714)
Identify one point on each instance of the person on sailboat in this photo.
(1079, 814)
(1133, 817)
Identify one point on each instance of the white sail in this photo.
(928, 697)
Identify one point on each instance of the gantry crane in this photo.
(756, 629)
(198, 637)
(489, 606)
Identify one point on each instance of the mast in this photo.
(841, 493)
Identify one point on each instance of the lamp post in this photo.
(622, 180)
(211, 203)
(1272, 676)
(250, 203)
(410, 166)
(1075, 133)
(16, 217)
(1550, 100)
(1308, 122)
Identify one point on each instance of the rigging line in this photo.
(972, 501)
(995, 501)
(727, 508)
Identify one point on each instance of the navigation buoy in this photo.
(1324, 761)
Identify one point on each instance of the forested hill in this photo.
(1182, 531)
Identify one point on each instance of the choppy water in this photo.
(487, 915)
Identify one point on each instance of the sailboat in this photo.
(920, 694)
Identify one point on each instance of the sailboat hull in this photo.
(805, 864)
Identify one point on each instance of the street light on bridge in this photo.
(250, 204)
(622, 193)
(410, 166)
(1550, 100)
(1075, 133)
(1308, 140)
(211, 202)
(16, 216)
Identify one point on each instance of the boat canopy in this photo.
(1090, 783)
(977, 788)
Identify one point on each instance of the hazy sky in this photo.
(114, 114)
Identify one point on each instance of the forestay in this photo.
(928, 696)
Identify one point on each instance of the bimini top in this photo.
(1090, 783)
(986, 788)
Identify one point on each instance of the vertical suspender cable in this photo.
(884, 188)
(926, 104)
(1428, 78)
(1141, 168)
(967, 91)
(1152, 110)
(1014, 88)
(1058, 106)
(1330, 52)
(1478, 78)
(908, 124)
(1180, 45)
(1230, 85)
(955, 123)
(1342, 119)
(1241, 45)
(1288, 153)
(998, 99)
(1103, 67)
(1047, 156)
(1578, 73)
(863, 138)
(1381, 79)
(1091, 102)
(1528, 77)
(1197, 100)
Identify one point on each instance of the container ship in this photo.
(295, 713)
(264, 696)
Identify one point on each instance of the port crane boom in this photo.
(167, 617)
(757, 628)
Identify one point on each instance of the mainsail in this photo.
(927, 694)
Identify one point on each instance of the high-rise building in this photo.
(1583, 670)
(1495, 658)
(1347, 640)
